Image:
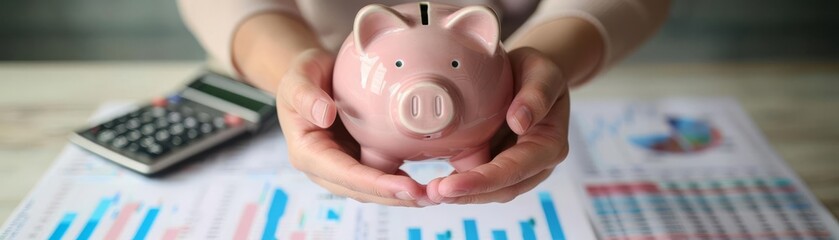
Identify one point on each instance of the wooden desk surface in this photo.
(795, 105)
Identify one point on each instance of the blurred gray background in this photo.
(708, 30)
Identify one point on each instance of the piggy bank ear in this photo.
(478, 23)
(374, 20)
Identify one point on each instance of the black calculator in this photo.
(207, 112)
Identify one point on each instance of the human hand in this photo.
(538, 116)
(326, 152)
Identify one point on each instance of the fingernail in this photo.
(522, 119)
(404, 195)
(424, 203)
(319, 112)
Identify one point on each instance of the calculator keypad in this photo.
(156, 130)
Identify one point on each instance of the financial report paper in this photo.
(655, 169)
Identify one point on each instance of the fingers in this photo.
(366, 198)
(538, 85)
(512, 166)
(302, 88)
(503, 195)
(325, 160)
(537, 150)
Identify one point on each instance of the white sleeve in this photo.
(215, 22)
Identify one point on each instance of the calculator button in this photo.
(155, 149)
(161, 123)
(106, 136)
(191, 134)
(176, 129)
(174, 99)
(120, 129)
(119, 142)
(133, 124)
(134, 135)
(174, 117)
(159, 102)
(162, 135)
(146, 117)
(147, 129)
(219, 123)
(134, 114)
(147, 141)
(133, 147)
(206, 128)
(109, 124)
(177, 141)
(190, 122)
(232, 120)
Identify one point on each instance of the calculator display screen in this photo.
(229, 96)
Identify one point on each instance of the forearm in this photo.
(584, 37)
(573, 44)
(265, 45)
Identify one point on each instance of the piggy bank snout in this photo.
(425, 108)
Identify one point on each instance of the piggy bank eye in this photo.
(399, 63)
(455, 64)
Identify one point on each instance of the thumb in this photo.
(304, 88)
(539, 84)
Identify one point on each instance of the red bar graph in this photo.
(298, 236)
(245, 221)
(123, 217)
(172, 233)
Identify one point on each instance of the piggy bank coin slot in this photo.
(424, 13)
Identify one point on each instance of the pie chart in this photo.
(685, 135)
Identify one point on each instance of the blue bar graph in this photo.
(275, 212)
(333, 215)
(100, 210)
(414, 234)
(527, 232)
(145, 226)
(527, 226)
(65, 222)
(551, 216)
(499, 234)
(447, 235)
(470, 228)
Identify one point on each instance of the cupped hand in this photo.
(538, 117)
(322, 148)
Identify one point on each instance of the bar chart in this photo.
(102, 213)
(111, 217)
(99, 204)
(229, 210)
(548, 219)
(538, 214)
(686, 169)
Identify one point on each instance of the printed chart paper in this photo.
(688, 169)
(659, 169)
(247, 191)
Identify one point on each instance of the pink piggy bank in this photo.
(423, 80)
